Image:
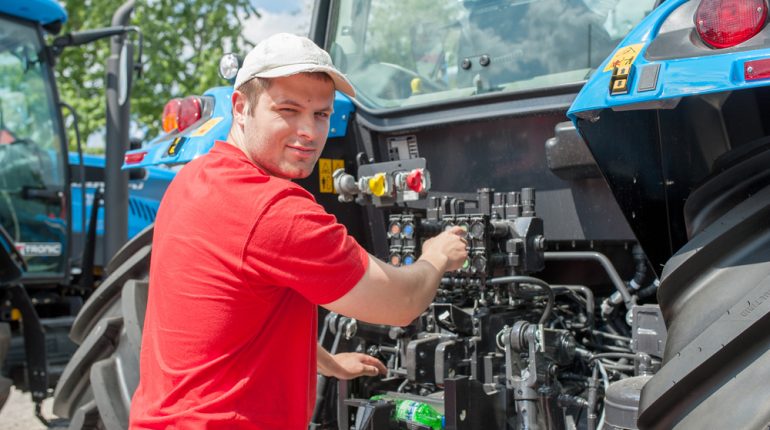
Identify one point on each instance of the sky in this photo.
(277, 6)
(292, 16)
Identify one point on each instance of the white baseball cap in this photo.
(285, 54)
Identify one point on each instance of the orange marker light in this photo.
(171, 115)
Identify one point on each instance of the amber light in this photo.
(726, 23)
(171, 115)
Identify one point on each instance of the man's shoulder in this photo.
(285, 195)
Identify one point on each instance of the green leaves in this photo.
(183, 41)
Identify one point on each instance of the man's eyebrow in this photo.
(291, 102)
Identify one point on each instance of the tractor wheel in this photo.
(95, 390)
(5, 344)
(715, 298)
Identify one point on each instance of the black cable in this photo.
(534, 281)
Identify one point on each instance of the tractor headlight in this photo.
(228, 66)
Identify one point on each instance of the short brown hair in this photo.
(254, 87)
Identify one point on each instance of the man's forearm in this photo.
(325, 361)
(425, 277)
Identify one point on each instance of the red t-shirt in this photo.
(239, 261)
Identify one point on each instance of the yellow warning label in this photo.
(325, 184)
(337, 164)
(173, 147)
(624, 57)
(208, 125)
(327, 166)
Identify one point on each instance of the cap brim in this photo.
(341, 83)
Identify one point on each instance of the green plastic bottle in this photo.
(414, 412)
(410, 411)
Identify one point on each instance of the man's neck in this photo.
(238, 143)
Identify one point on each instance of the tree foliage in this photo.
(183, 41)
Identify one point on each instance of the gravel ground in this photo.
(19, 412)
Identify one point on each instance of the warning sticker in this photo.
(624, 56)
(327, 166)
(337, 164)
(325, 184)
(208, 125)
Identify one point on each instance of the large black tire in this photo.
(715, 298)
(95, 390)
(5, 344)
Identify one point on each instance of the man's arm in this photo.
(348, 365)
(397, 295)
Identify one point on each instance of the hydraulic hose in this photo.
(641, 276)
(589, 297)
(530, 280)
(626, 355)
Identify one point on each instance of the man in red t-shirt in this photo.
(242, 256)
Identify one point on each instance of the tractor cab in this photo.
(40, 291)
(33, 174)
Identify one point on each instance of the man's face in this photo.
(286, 131)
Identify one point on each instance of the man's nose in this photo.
(306, 127)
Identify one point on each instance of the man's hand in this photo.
(351, 365)
(348, 365)
(447, 251)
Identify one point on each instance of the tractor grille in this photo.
(139, 208)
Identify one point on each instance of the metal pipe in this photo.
(589, 297)
(601, 259)
(530, 280)
(591, 415)
(116, 142)
(82, 173)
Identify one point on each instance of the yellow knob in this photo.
(377, 184)
(416, 85)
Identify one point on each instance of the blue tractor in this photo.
(630, 291)
(678, 121)
(52, 249)
(460, 119)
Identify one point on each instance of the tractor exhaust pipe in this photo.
(119, 71)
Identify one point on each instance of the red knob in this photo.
(414, 181)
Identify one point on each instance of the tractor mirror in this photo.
(125, 67)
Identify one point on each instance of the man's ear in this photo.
(240, 107)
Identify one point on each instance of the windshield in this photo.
(400, 53)
(31, 174)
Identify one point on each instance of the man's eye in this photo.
(323, 114)
(288, 109)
